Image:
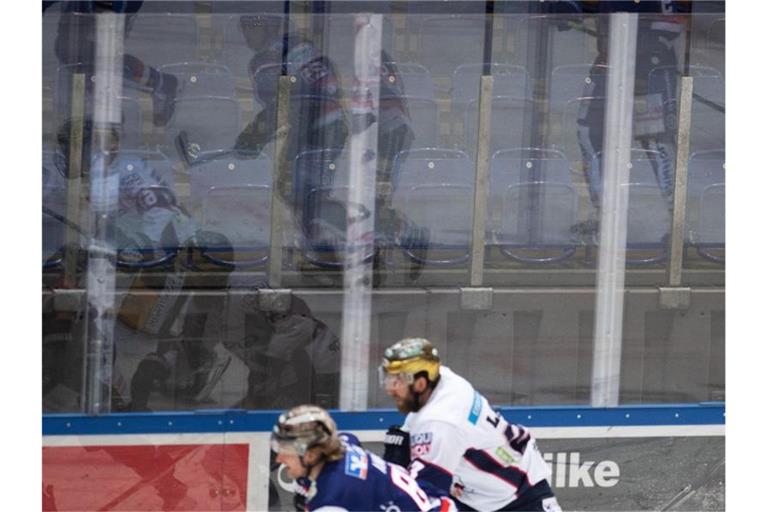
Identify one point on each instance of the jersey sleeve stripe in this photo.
(512, 475)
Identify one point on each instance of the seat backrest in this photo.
(565, 47)
(572, 81)
(160, 38)
(648, 215)
(446, 41)
(641, 169)
(510, 119)
(705, 169)
(202, 79)
(233, 51)
(432, 166)
(425, 118)
(711, 226)
(416, 79)
(537, 213)
(229, 172)
(211, 122)
(583, 115)
(508, 80)
(445, 210)
(517, 165)
(241, 213)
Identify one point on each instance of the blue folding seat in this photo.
(321, 195)
(142, 242)
(571, 81)
(416, 79)
(202, 79)
(233, 51)
(447, 41)
(54, 210)
(161, 38)
(536, 220)
(707, 108)
(648, 210)
(211, 122)
(510, 118)
(233, 201)
(434, 194)
(705, 204)
(425, 118)
(522, 165)
(508, 80)
(564, 47)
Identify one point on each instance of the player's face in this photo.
(292, 463)
(400, 391)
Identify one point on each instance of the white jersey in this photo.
(459, 442)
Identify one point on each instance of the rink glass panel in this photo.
(204, 316)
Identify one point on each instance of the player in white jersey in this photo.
(457, 443)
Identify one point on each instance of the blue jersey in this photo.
(364, 481)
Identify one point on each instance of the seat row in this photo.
(533, 207)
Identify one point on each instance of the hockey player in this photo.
(660, 24)
(453, 441)
(333, 474)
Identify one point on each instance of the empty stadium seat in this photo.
(648, 223)
(536, 220)
(202, 79)
(233, 51)
(508, 80)
(232, 198)
(447, 41)
(424, 114)
(708, 107)
(709, 235)
(522, 165)
(54, 210)
(569, 127)
(416, 80)
(211, 122)
(574, 46)
(572, 81)
(510, 121)
(433, 193)
(142, 241)
(705, 206)
(159, 39)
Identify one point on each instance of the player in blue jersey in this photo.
(333, 473)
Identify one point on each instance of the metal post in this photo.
(363, 155)
(482, 171)
(677, 236)
(104, 189)
(609, 307)
(281, 183)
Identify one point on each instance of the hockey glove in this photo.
(397, 446)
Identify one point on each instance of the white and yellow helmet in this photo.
(407, 358)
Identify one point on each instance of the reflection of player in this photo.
(334, 474)
(455, 442)
(76, 47)
(292, 357)
(660, 24)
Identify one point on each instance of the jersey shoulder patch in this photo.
(356, 462)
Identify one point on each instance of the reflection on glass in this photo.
(194, 159)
